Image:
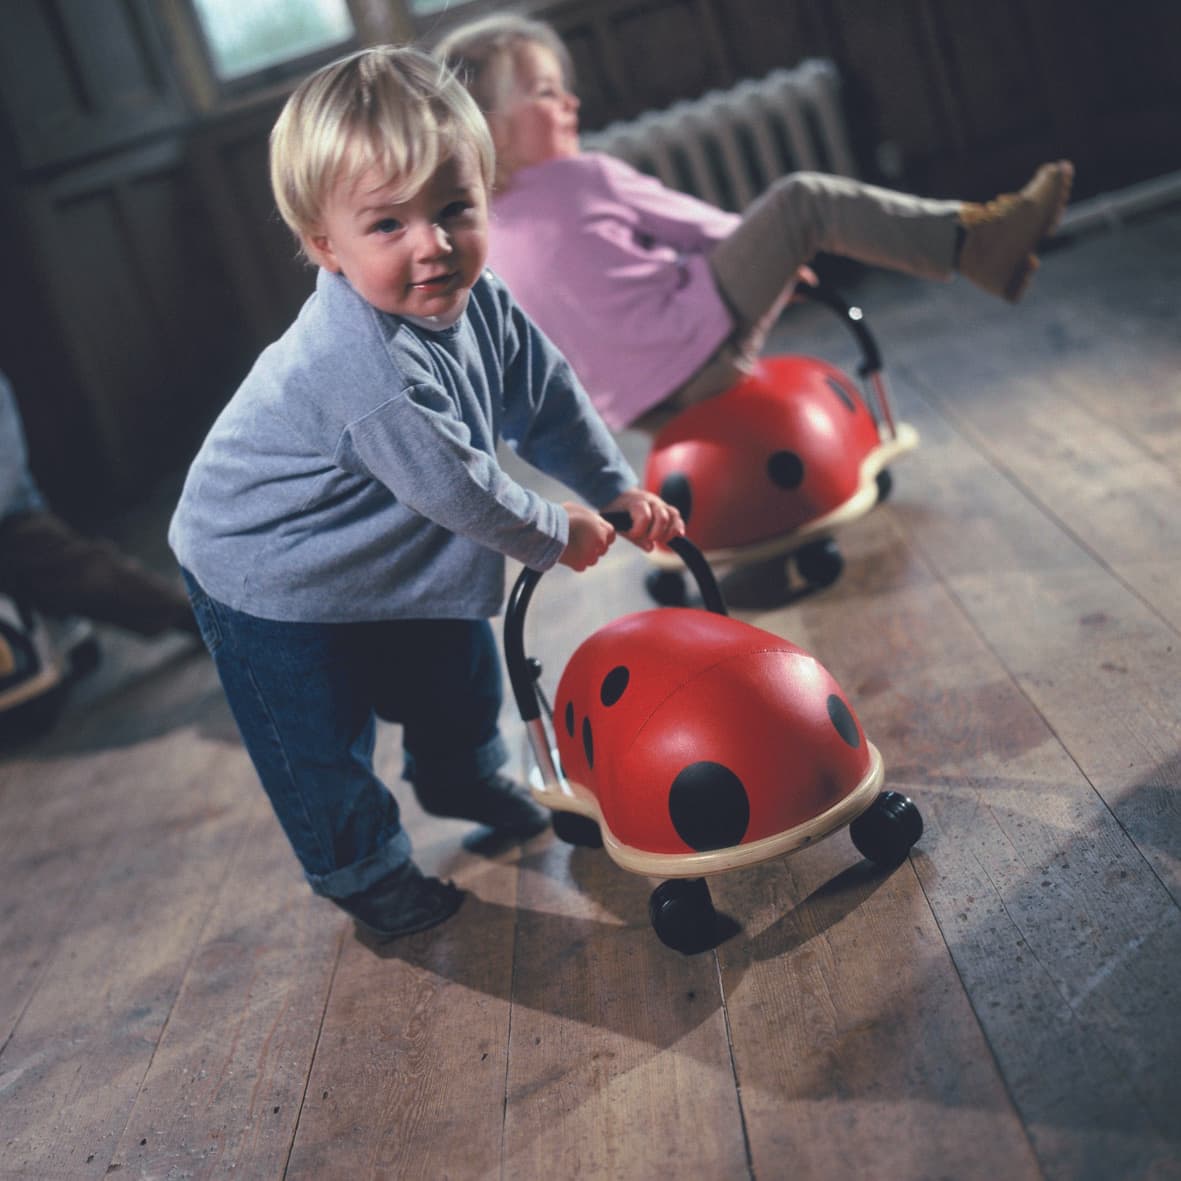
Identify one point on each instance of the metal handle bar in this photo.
(852, 317)
(870, 369)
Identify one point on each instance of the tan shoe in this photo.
(999, 251)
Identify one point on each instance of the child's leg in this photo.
(450, 711)
(800, 215)
(993, 244)
(47, 564)
(808, 212)
(308, 724)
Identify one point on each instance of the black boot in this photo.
(498, 802)
(403, 902)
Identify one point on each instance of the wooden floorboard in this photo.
(174, 1002)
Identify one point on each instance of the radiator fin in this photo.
(728, 145)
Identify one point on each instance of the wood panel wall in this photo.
(122, 325)
(146, 266)
(960, 94)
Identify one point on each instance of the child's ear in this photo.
(318, 247)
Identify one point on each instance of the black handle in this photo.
(694, 559)
(852, 317)
(522, 675)
(621, 520)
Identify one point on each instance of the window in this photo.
(267, 39)
(229, 51)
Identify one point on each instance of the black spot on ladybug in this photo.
(614, 683)
(676, 490)
(708, 806)
(846, 398)
(570, 718)
(786, 469)
(842, 720)
(588, 742)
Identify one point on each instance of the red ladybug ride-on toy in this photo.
(688, 743)
(777, 463)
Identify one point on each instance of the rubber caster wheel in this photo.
(885, 483)
(667, 587)
(577, 830)
(820, 563)
(887, 830)
(683, 915)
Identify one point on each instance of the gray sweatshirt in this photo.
(353, 475)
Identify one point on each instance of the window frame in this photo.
(267, 77)
(375, 22)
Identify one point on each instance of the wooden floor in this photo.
(175, 1003)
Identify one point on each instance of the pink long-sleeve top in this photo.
(612, 266)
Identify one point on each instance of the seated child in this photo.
(342, 529)
(659, 300)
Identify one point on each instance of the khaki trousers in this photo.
(799, 216)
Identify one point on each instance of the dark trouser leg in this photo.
(303, 709)
(45, 563)
(440, 678)
(449, 707)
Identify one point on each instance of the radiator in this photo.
(728, 145)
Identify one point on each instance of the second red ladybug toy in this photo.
(778, 463)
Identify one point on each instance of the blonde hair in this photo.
(482, 53)
(394, 108)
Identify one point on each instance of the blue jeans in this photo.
(306, 697)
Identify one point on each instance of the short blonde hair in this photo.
(482, 53)
(390, 107)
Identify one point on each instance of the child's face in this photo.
(538, 119)
(418, 257)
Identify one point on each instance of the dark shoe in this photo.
(497, 802)
(402, 903)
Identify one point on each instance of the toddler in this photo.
(342, 529)
(659, 300)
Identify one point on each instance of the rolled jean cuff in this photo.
(460, 768)
(352, 879)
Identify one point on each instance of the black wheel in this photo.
(888, 829)
(885, 482)
(577, 830)
(683, 915)
(667, 587)
(820, 562)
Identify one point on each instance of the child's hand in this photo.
(653, 520)
(807, 277)
(590, 537)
